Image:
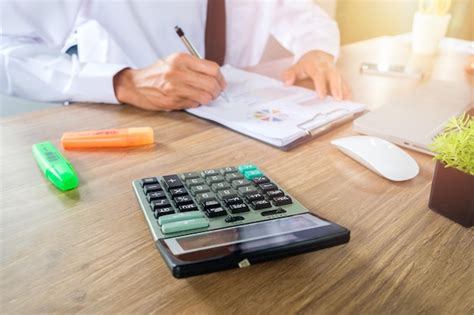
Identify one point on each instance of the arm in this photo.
(32, 64)
(302, 26)
(314, 39)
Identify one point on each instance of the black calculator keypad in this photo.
(161, 203)
(155, 195)
(176, 192)
(211, 204)
(233, 201)
(275, 193)
(254, 197)
(261, 204)
(281, 201)
(268, 186)
(149, 181)
(172, 181)
(163, 211)
(150, 188)
(188, 207)
(183, 200)
(215, 192)
(260, 180)
(238, 208)
(215, 212)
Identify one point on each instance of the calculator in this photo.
(229, 217)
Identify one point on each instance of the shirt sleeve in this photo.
(302, 26)
(32, 65)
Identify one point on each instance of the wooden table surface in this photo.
(90, 251)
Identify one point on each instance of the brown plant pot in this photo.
(452, 195)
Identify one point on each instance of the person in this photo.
(128, 51)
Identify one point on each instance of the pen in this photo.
(194, 52)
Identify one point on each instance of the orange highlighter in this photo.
(108, 138)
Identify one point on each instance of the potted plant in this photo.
(452, 189)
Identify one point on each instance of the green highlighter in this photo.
(55, 166)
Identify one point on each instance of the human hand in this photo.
(320, 68)
(178, 82)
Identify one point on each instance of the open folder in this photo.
(263, 108)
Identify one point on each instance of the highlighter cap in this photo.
(54, 166)
(63, 176)
(140, 136)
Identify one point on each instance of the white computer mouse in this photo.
(380, 156)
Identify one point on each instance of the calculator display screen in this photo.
(270, 232)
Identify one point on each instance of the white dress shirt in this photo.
(112, 35)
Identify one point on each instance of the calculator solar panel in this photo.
(228, 217)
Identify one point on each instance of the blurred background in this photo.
(363, 19)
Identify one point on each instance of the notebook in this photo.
(265, 109)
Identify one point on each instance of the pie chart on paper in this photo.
(270, 115)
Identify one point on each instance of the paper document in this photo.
(265, 109)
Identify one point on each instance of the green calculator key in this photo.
(180, 217)
(209, 220)
(246, 167)
(251, 174)
(185, 225)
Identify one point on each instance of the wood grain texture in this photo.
(90, 251)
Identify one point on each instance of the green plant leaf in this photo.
(454, 147)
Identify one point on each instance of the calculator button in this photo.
(163, 212)
(254, 196)
(226, 194)
(172, 181)
(267, 187)
(215, 179)
(244, 191)
(149, 181)
(180, 217)
(175, 192)
(156, 195)
(227, 170)
(184, 225)
(152, 187)
(190, 175)
(188, 207)
(161, 203)
(199, 189)
(211, 172)
(233, 176)
(211, 204)
(215, 212)
(238, 208)
(205, 197)
(183, 200)
(260, 180)
(261, 204)
(195, 182)
(233, 201)
(274, 193)
(240, 183)
(246, 167)
(233, 218)
(280, 201)
(252, 174)
(220, 186)
(270, 212)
